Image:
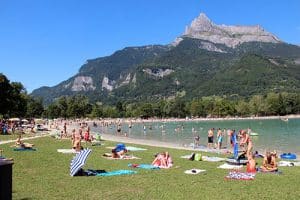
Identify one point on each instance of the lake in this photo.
(274, 134)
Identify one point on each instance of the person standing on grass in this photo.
(65, 128)
(219, 138)
(210, 138)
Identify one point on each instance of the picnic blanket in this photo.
(212, 159)
(91, 172)
(67, 151)
(240, 175)
(143, 166)
(194, 171)
(284, 163)
(125, 157)
(228, 166)
(24, 149)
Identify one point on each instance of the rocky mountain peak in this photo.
(203, 28)
(201, 23)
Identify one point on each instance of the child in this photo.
(251, 165)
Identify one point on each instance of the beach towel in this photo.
(67, 151)
(96, 143)
(212, 159)
(117, 173)
(186, 156)
(131, 148)
(126, 157)
(91, 172)
(194, 171)
(193, 156)
(234, 175)
(143, 166)
(288, 164)
(228, 166)
(24, 149)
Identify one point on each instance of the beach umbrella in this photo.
(14, 119)
(79, 160)
(39, 121)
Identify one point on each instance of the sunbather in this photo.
(269, 162)
(21, 144)
(163, 160)
(251, 165)
(119, 151)
(77, 144)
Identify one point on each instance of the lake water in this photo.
(274, 134)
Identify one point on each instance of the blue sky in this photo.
(43, 42)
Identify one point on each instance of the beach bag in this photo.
(198, 157)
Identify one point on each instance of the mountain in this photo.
(207, 59)
(203, 28)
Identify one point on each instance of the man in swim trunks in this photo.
(210, 138)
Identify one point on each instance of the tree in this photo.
(257, 105)
(273, 105)
(5, 99)
(53, 111)
(242, 108)
(97, 110)
(78, 106)
(146, 110)
(35, 107)
(63, 106)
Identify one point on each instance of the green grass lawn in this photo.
(15, 136)
(8, 137)
(44, 174)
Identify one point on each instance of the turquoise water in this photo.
(274, 134)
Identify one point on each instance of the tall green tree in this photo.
(35, 107)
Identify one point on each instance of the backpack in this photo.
(198, 156)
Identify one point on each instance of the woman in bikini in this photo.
(246, 142)
(269, 162)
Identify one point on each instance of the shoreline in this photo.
(155, 143)
(140, 120)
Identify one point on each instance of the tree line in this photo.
(15, 102)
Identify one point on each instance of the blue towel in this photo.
(116, 173)
(24, 149)
(143, 166)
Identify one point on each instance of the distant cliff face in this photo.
(207, 59)
(203, 28)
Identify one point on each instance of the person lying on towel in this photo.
(19, 143)
(163, 160)
(119, 151)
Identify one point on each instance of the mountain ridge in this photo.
(188, 67)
